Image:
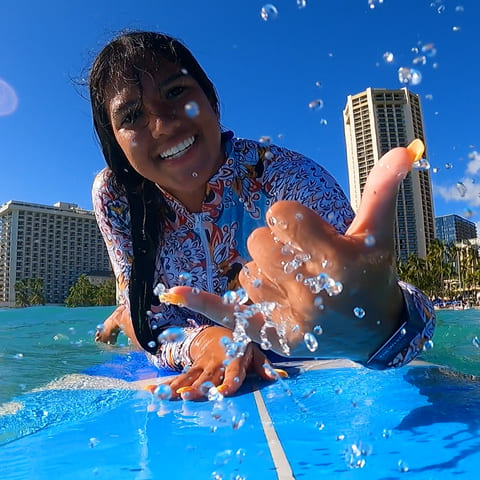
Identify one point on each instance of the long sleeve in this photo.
(113, 218)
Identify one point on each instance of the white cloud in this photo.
(474, 164)
(469, 193)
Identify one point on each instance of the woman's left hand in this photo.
(318, 322)
(210, 369)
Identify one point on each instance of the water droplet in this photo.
(299, 277)
(269, 12)
(301, 4)
(334, 288)
(318, 302)
(184, 71)
(448, 166)
(374, 3)
(403, 331)
(323, 121)
(421, 60)
(195, 291)
(310, 341)
(257, 283)
(434, 169)
(151, 344)
(265, 140)
(159, 289)
(421, 164)
(428, 345)
(369, 241)
(229, 297)
(429, 96)
(318, 84)
(163, 392)
(194, 174)
(461, 188)
(388, 57)
(316, 105)
(429, 50)
(476, 342)
(272, 221)
(409, 76)
(185, 278)
(386, 433)
(340, 437)
(402, 466)
(318, 330)
(456, 28)
(192, 109)
(459, 9)
(93, 442)
(359, 312)
(268, 155)
(172, 334)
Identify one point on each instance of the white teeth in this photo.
(178, 148)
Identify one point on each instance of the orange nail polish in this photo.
(222, 388)
(184, 390)
(416, 150)
(281, 373)
(172, 298)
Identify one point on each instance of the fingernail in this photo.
(222, 388)
(184, 390)
(416, 150)
(172, 298)
(281, 373)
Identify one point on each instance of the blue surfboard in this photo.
(328, 418)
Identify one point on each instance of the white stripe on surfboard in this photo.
(280, 460)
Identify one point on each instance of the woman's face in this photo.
(162, 135)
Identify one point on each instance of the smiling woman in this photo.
(183, 202)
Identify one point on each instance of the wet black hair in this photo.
(125, 58)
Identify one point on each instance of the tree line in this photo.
(30, 292)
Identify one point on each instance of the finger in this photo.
(235, 373)
(378, 204)
(213, 307)
(181, 385)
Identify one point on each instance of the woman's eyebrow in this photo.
(173, 78)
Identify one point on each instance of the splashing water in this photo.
(359, 312)
(461, 189)
(421, 164)
(316, 105)
(310, 341)
(409, 76)
(269, 12)
(388, 57)
(374, 3)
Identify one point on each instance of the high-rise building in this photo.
(376, 121)
(53, 243)
(453, 228)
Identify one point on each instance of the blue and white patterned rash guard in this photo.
(211, 245)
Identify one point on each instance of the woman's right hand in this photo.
(208, 355)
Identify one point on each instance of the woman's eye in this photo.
(175, 91)
(131, 117)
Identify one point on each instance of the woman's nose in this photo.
(162, 121)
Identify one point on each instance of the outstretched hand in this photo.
(335, 295)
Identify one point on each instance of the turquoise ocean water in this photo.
(40, 344)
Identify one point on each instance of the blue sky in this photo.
(265, 73)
